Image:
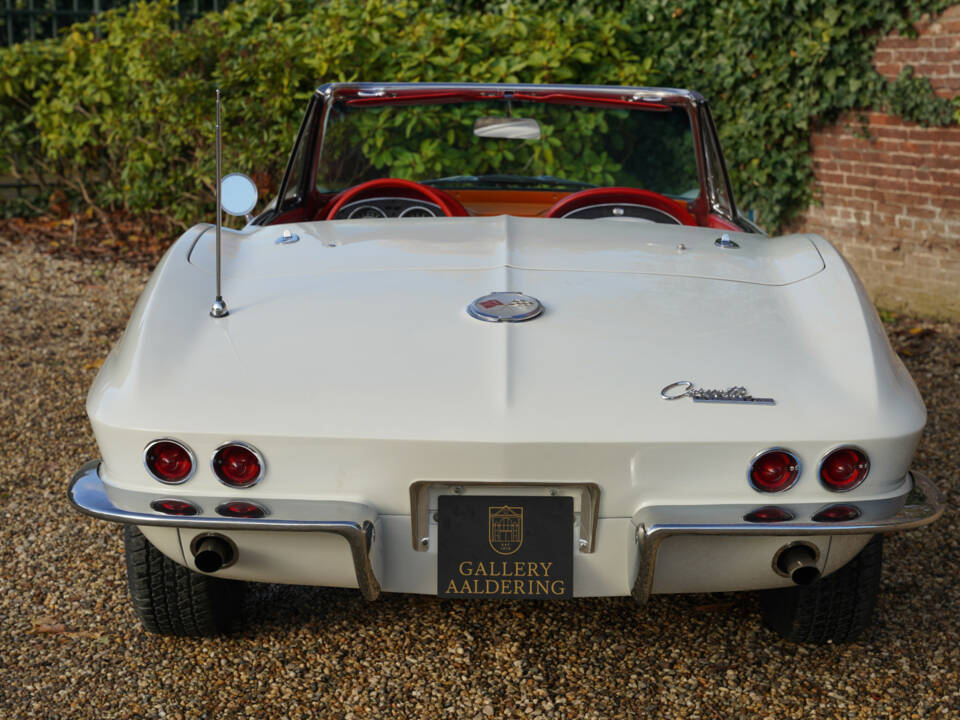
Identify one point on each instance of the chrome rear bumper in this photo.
(399, 567)
(88, 494)
(922, 505)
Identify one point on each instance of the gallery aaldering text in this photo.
(505, 578)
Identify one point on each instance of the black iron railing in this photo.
(23, 20)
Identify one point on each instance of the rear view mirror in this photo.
(507, 128)
(238, 194)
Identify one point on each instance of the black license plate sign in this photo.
(505, 547)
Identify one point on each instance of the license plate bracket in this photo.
(505, 546)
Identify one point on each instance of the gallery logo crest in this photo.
(505, 528)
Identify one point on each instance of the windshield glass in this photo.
(509, 143)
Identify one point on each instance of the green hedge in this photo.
(124, 120)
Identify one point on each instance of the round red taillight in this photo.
(169, 461)
(837, 513)
(844, 469)
(241, 509)
(774, 470)
(238, 465)
(768, 514)
(175, 507)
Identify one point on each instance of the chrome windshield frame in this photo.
(313, 127)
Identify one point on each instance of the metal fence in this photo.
(22, 20)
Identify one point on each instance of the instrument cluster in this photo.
(388, 207)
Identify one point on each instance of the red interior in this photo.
(522, 203)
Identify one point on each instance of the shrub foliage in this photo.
(119, 110)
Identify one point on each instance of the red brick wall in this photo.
(891, 203)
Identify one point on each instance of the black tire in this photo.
(836, 608)
(172, 600)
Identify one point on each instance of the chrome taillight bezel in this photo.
(753, 461)
(182, 446)
(831, 451)
(245, 446)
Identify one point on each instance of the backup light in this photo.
(169, 461)
(175, 507)
(774, 470)
(241, 509)
(837, 513)
(768, 514)
(844, 469)
(238, 465)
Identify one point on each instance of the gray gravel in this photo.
(70, 645)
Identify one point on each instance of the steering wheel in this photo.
(406, 188)
(622, 196)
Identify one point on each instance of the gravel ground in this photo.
(70, 645)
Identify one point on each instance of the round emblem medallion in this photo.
(505, 307)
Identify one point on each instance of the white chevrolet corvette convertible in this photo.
(504, 341)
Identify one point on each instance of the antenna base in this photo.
(219, 308)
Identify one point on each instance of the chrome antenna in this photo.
(219, 307)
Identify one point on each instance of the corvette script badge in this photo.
(735, 394)
(505, 307)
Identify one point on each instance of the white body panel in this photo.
(349, 361)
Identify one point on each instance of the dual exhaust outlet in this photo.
(212, 553)
(798, 562)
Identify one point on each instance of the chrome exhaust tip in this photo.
(212, 553)
(799, 563)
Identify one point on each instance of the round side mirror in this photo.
(238, 194)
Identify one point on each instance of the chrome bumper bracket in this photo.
(923, 504)
(88, 494)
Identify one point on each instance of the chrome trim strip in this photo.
(924, 503)
(830, 452)
(288, 168)
(654, 94)
(245, 446)
(88, 494)
(181, 445)
(420, 507)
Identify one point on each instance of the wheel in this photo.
(836, 608)
(172, 600)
